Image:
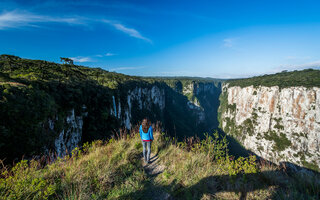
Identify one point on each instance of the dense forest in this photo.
(32, 91)
(305, 78)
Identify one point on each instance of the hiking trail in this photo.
(153, 169)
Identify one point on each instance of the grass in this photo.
(193, 169)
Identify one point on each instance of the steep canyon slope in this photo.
(276, 116)
(48, 107)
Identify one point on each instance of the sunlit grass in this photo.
(113, 170)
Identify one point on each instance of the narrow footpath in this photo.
(153, 169)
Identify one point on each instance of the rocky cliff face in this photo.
(159, 102)
(204, 99)
(137, 100)
(69, 129)
(281, 125)
(152, 101)
(70, 135)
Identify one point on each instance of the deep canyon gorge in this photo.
(48, 107)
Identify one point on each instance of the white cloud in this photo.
(90, 58)
(16, 19)
(129, 31)
(106, 54)
(313, 65)
(81, 59)
(228, 42)
(109, 54)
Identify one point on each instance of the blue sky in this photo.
(222, 39)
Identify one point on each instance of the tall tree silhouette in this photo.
(66, 60)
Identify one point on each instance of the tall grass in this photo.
(192, 169)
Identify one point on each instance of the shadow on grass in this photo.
(239, 187)
(287, 182)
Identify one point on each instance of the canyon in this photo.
(48, 107)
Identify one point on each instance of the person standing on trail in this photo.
(146, 134)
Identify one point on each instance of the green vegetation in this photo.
(232, 107)
(190, 170)
(66, 60)
(248, 125)
(223, 106)
(278, 125)
(307, 78)
(32, 92)
(184, 80)
(309, 165)
(280, 142)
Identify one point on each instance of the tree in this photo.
(66, 60)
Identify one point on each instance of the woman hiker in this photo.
(146, 134)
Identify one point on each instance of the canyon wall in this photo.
(183, 113)
(138, 99)
(278, 124)
(186, 111)
(70, 136)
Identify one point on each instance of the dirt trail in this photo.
(153, 169)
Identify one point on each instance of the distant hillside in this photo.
(306, 78)
(185, 79)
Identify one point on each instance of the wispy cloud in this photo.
(125, 68)
(90, 58)
(313, 65)
(228, 42)
(16, 19)
(106, 55)
(110, 54)
(129, 31)
(82, 59)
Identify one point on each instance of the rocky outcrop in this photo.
(281, 125)
(70, 135)
(139, 99)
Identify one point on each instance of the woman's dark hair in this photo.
(145, 124)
